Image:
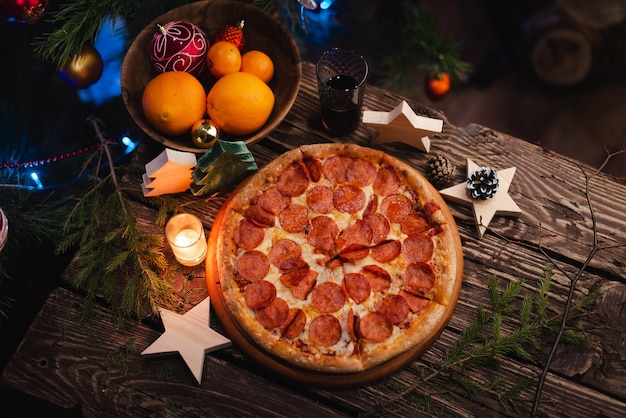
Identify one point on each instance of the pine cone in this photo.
(440, 171)
(483, 183)
(232, 34)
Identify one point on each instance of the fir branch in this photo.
(78, 22)
(117, 261)
(486, 342)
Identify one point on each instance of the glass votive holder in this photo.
(185, 234)
(4, 229)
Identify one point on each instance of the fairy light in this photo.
(325, 4)
(130, 145)
(35, 178)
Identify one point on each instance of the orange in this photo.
(240, 103)
(258, 63)
(173, 101)
(223, 58)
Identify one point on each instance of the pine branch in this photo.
(486, 342)
(116, 260)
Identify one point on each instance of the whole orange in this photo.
(223, 58)
(258, 63)
(172, 101)
(240, 103)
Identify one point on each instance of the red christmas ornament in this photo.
(233, 34)
(179, 46)
(436, 87)
(23, 11)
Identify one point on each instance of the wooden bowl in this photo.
(262, 32)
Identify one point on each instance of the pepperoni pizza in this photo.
(337, 258)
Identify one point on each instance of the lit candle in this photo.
(185, 234)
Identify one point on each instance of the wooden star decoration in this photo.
(402, 125)
(190, 335)
(485, 210)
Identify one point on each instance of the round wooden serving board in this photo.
(289, 371)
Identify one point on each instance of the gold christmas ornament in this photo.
(204, 133)
(83, 69)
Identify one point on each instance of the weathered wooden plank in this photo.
(95, 365)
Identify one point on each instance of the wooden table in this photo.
(95, 367)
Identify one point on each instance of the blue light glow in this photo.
(325, 4)
(35, 178)
(130, 145)
(110, 45)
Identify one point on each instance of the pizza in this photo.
(337, 258)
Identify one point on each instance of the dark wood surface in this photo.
(94, 366)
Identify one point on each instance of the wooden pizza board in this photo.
(292, 372)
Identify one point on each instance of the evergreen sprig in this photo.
(35, 221)
(117, 260)
(421, 46)
(511, 325)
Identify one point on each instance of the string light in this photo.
(35, 178)
(123, 138)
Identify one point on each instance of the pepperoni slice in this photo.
(414, 223)
(355, 236)
(375, 327)
(259, 216)
(294, 180)
(325, 330)
(294, 325)
(328, 297)
(323, 233)
(314, 167)
(349, 198)
(351, 322)
(286, 255)
(378, 277)
(416, 303)
(380, 227)
(354, 254)
(320, 199)
(300, 282)
(371, 207)
(417, 248)
(418, 278)
(259, 295)
(387, 181)
(394, 307)
(273, 201)
(335, 168)
(396, 207)
(386, 251)
(294, 218)
(357, 287)
(430, 208)
(361, 172)
(247, 235)
(252, 265)
(274, 315)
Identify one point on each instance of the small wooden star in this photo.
(402, 125)
(485, 210)
(190, 335)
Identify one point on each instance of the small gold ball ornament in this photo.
(204, 133)
(84, 69)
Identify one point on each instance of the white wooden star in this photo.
(485, 210)
(190, 335)
(402, 125)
